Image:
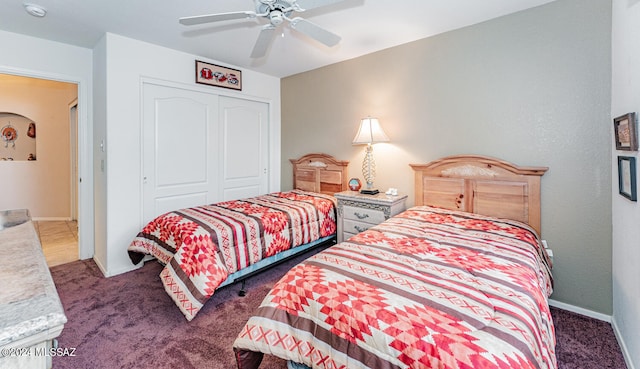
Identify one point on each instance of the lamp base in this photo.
(369, 191)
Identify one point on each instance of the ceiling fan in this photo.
(276, 12)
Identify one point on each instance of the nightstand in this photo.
(358, 212)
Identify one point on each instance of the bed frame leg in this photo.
(242, 291)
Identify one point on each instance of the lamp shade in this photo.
(370, 132)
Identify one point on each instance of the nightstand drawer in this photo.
(353, 226)
(347, 235)
(361, 215)
(358, 212)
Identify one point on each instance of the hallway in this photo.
(59, 241)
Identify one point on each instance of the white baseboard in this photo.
(623, 346)
(599, 316)
(51, 219)
(579, 310)
(100, 266)
(111, 273)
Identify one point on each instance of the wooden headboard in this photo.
(483, 185)
(320, 173)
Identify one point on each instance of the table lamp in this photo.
(370, 132)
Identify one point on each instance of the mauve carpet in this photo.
(128, 321)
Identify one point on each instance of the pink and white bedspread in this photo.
(202, 246)
(428, 288)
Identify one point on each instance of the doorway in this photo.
(49, 185)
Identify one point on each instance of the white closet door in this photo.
(180, 154)
(244, 140)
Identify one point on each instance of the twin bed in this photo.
(206, 247)
(460, 280)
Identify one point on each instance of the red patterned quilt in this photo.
(202, 246)
(428, 288)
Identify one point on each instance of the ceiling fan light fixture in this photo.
(276, 17)
(35, 10)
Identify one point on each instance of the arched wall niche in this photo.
(17, 137)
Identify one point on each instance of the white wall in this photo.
(33, 57)
(126, 62)
(99, 156)
(626, 214)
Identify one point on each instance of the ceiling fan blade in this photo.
(317, 33)
(263, 42)
(310, 4)
(199, 19)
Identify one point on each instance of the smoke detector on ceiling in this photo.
(35, 10)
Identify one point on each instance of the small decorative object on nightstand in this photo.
(355, 184)
(358, 212)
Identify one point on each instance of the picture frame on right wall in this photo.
(627, 177)
(625, 131)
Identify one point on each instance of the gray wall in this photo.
(533, 88)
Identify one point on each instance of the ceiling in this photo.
(365, 26)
